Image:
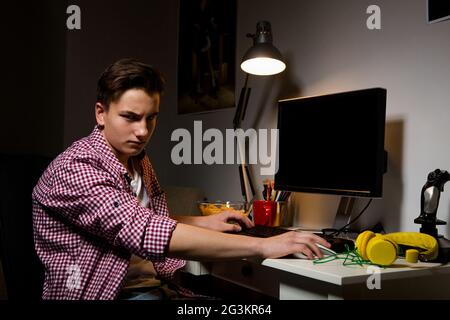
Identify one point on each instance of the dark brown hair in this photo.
(128, 74)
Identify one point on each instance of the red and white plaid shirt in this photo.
(87, 222)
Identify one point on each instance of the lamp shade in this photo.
(263, 58)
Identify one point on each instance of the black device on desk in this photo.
(333, 144)
(429, 202)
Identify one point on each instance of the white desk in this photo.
(296, 279)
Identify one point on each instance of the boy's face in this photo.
(129, 123)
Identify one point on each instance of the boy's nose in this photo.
(141, 131)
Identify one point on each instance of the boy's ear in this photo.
(100, 113)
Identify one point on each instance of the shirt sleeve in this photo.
(167, 268)
(96, 201)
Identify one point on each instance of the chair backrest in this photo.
(183, 200)
(22, 269)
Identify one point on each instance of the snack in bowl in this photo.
(209, 208)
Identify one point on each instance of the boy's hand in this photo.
(221, 221)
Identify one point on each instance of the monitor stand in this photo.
(344, 212)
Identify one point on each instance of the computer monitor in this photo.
(333, 144)
(438, 10)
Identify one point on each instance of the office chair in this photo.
(22, 268)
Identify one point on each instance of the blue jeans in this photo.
(157, 293)
(143, 294)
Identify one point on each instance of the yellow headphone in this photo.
(383, 249)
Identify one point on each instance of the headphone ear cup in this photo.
(381, 251)
(361, 243)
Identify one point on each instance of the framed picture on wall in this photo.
(438, 10)
(206, 57)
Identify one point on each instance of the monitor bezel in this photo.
(440, 15)
(376, 190)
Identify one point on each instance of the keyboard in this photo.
(262, 231)
(338, 244)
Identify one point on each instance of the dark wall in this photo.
(32, 115)
(22, 269)
(32, 124)
(110, 30)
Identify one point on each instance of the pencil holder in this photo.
(282, 216)
(264, 212)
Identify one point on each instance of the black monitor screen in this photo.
(438, 10)
(333, 144)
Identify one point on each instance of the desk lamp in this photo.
(262, 59)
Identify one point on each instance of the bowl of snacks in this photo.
(208, 208)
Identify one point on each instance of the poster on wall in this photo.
(206, 55)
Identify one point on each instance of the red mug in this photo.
(264, 212)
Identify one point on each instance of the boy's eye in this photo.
(129, 117)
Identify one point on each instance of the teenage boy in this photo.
(99, 206)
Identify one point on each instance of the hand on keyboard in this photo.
(262, 231)
(339, 244)
(295, 242)
(325, 252)
(279, 242)
(227, 221)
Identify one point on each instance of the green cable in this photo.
(350, 257)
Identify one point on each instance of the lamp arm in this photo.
(242, 104)
(248, 191)
(247, 96)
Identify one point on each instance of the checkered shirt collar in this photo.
(98, 142)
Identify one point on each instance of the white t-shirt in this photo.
(138, 187)
(141, 272)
